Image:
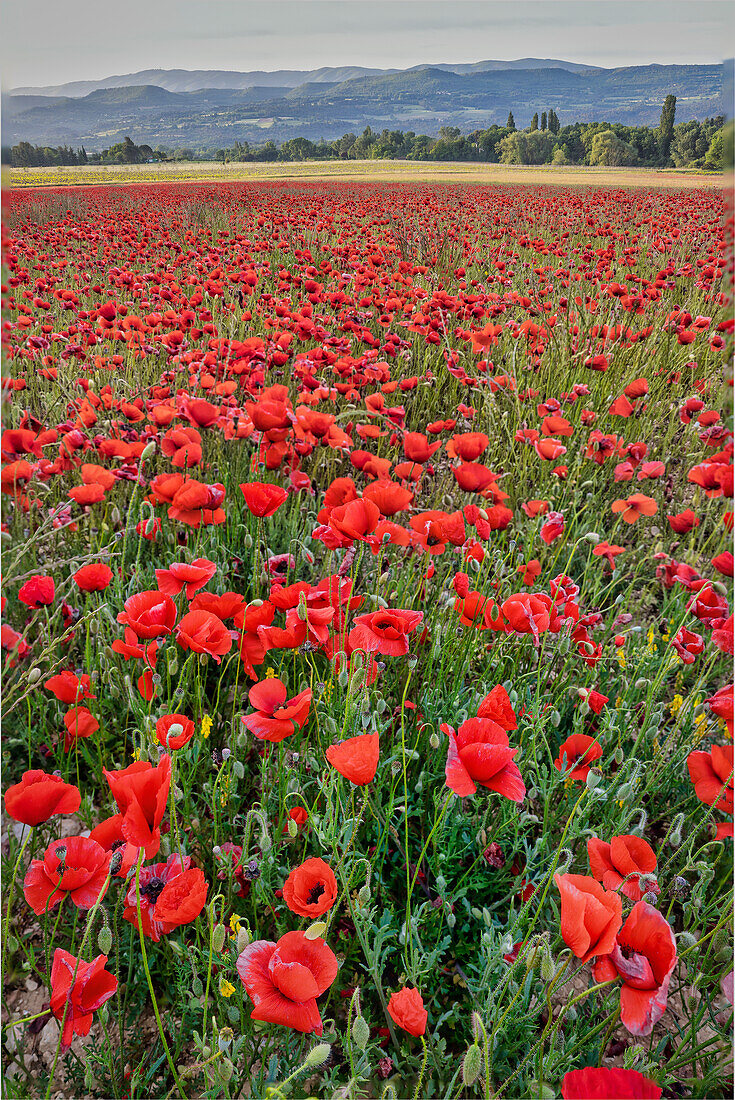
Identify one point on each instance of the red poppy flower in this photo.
(39, 796)
(94, 577)
(683, 522)
(385, 632)
(526, 613)
(310, 889)
(406, 1008)
(356, 758)
(74, 867)
(262, 498)
(91, 988)
(721, 704)
(190, 575)
(149, 614)
(78, 722)
(590, 915)
(276, 717)
(174, 731)
(580, 751)
(284, 979)
(498, 707)
(480, 753)
(141, 792)
(37, 592)
(203, 632)
(156, 878)
(644, 956)
(110, 835)
(712, 775)
(624, 856)
(70, 688)
(601, 1083)
(635, 506)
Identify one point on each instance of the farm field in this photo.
(362, 170)
(367, 633)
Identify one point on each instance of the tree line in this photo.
(697, 144)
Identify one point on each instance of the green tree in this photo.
(553, 121)
(511, 123)
(611, 151)
(520, 147)
(534, 123)
(666, 128)
(543, 120)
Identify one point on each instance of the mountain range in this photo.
(208, 109)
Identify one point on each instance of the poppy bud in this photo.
(243, 940)
(315, 930)
(675, 834)
(364, 895)
(104, 939)
(34, 675)
(292, 827)
(434, 741)
(360, 1032)
(471, 1065)
(318, 1055)
(618, 755)
(218, 938)
(641, 684)
(148, 451)
(592, 537)
(593, 779)
(225, 1070)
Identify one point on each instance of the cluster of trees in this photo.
(706, 144)
(25, 155)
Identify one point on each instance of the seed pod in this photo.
(225, 1069)
(318, 1055)
(104, 939)
(360, 1032)
(471, 1065)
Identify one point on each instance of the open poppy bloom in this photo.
(149, 614)
(171, 894)
(624, 858)
(78, 722)
(579, 753)
(110, 835)
(74, 867)
(634, 506)
(94, 577)
(37, 592)
(406, 1008)
(39, 796)
(189, 575)
(263, 499)
(356, 758)
(601, 1083)
(284, 979)
(721, 704)
(276, 717)
(310, 889)
(203, 632)
(173, 731)
(590, 915)
(83, 994)
(70, 688)
(141, 792)
(385, 632)
(479, 752)
(712, 775)
(644, 956)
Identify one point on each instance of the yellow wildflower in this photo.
(226, 988)
(676, 704)
(206, 726)
(235, 923)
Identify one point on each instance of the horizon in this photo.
(41, 45)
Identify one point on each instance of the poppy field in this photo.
(367, 641)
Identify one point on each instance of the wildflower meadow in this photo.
(367, 641)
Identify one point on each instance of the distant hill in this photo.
(208, 109)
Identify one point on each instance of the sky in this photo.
(52, 41)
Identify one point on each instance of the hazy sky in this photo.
(51, 41)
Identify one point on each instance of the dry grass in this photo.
(367, 170)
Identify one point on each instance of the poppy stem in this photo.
(6, 936)
(613, 1021)
(143, 952)
(417, 1092)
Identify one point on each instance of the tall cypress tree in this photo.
(511, 123)
(543, 120)
(666, 127)
(553, 122)
(534, 122)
